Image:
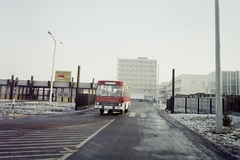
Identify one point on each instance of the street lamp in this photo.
(218, 100)
(50, 96)
(191, 86)
(158, 86)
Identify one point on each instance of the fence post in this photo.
(185, 104)
(11, 87)
(14, 93)
(198, 105)
(77, 89)
(30, 83)
(210, 105)
(223, 106)
(168, 104)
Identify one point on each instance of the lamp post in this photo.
(191, 86)
(51, 88)
(219, 121)
(158, 86)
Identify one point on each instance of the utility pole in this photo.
(173, 91)
(77, 89)
(14, 93)
(158, 85)
(219, 117)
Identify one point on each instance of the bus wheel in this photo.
(121, 112)
(125, 109)
(101, 111)
(110, 111)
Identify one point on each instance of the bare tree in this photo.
(206, 88)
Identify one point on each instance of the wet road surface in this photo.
(144, 133)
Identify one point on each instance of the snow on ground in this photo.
(35, 108)
(204, 125)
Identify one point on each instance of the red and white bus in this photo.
(112, 96)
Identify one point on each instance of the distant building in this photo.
(162, 91)
(230, 82)
(189, 84)
(186, 84)
(140, 74)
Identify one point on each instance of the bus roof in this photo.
(111, 82)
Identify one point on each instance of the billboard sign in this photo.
(63, 76)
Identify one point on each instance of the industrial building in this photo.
(230, 82)
(186, 84)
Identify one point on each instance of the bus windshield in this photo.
(109, 90)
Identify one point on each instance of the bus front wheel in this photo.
(121, 112)
(110, 111)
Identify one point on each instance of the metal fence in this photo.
(199, 105)
(233, 103)
(84, 100)
(230, 103)
(40, 90)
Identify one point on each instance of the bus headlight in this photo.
(97, 103)
(119, 104)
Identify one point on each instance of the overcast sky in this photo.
(179, 34)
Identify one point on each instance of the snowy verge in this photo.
(229, 139)
(35, 108)
(205, 125)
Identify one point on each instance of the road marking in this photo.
(38, 144)
(17, 152)
(86, 140)
(82, 125)
(67, 150)
(39, 140)
(37, 147)
(24, 144)
(25, 156)
(133, 114)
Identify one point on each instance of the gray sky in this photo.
(180, 34)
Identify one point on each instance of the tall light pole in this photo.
(219, 121)
(191, 86)
(51, 88)
(158, 86)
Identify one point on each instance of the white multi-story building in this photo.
(189, 84)
(140, 74)
(186, 84)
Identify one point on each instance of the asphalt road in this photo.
(143, 133)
